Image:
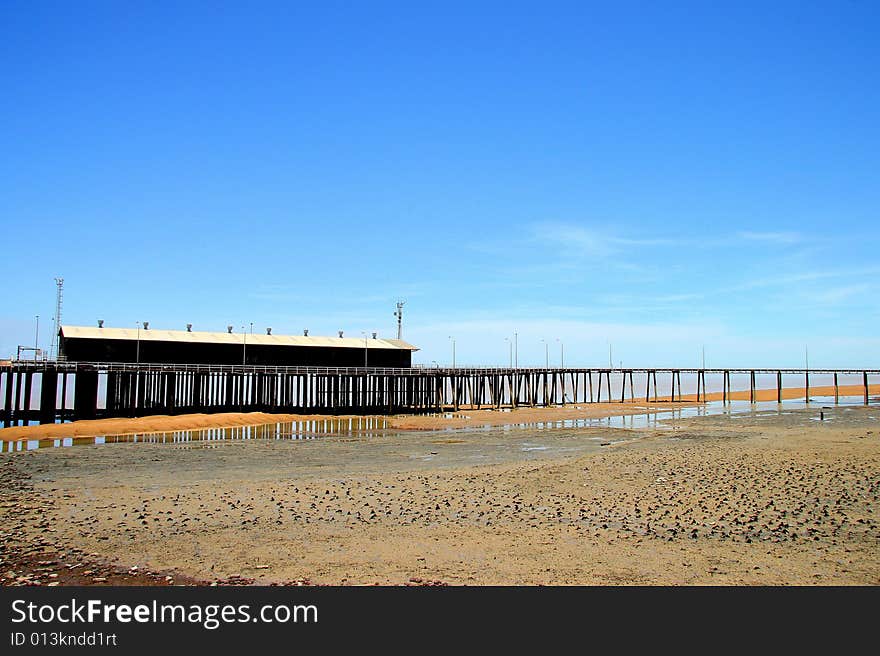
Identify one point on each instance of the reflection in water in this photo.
(374, 426)
(289, 430)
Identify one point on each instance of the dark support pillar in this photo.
(85, 396)
(63, 396)
(779, 387)
(836, 390)
(140, 393)
(17, 402)
(807, 384)
(111, 406)
(7, 405)
(26, 410)
(48, 395)
(751, 386)
(865, 380)
(726, 387)
(171, 398)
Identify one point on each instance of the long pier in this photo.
(49, 392)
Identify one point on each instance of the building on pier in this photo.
(99, 344)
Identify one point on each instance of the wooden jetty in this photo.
(47, 392)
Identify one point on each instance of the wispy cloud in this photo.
(772, 237)
(572, 239)
(802, 277)
(586, 241)
(839, 294)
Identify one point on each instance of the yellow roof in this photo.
(154, 335)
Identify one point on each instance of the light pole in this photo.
(510, 344)
(365, 348)
(244, 346)
(137, 355)
(561, 354)
(453, 350)
(37, 338)
(546, 354)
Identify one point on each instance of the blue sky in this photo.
(655, 175)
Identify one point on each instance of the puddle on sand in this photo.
(357, 428)
(290, 430)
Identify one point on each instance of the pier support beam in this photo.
(26, 409)
(7, 404)
(85, 395)
(48, 396)
(701, 385)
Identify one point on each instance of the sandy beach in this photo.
(758, 498)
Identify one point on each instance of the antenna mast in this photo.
(59, 282)
(399, 314)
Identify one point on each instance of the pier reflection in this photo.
(289, 430)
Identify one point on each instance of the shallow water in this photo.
(364, 428)
(296, 430)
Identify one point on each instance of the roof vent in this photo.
(268, 331)
(100, 323)
(340, 333)
(229, 329)
(146, 325)
(374, 335)
(189, 327)
(305, 332)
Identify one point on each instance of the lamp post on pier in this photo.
(137, 353)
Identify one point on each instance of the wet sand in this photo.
(789, 393)
(770, 498)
